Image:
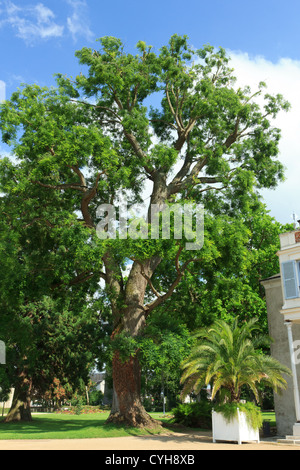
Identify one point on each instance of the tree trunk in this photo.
(127, 406)
(20, 408)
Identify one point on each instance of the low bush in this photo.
(194, 415)
(96, 397)
(81, 410)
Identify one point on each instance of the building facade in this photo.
(283, 306)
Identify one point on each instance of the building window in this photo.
(291, 277)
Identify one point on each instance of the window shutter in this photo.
(290, 280)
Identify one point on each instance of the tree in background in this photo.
(83, 143)
(226, 288)
(50, 347)
(164, 343)
(52, 322)
(229, 285)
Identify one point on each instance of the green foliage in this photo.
(58, 135)
(125, 344)
(96, 397)
(164, 340)
(194, 415)
(78, 405)
(50, 341)
(253, 413)
(238, 252)
(229, 357)
(89, 140)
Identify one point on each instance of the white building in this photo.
(283, 305)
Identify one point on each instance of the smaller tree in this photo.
(229, 358)
(51, 347)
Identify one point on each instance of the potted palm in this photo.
(229, 358)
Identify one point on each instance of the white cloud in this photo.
(282, 77)
(78, 23)
(44, 14)
(31, 22)
(38, 21)
(2, 91)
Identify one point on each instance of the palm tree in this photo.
(229, 358)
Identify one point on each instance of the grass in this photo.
(85, 426)
(269, 416)
(57, 426)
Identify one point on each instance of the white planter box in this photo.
(237, 430)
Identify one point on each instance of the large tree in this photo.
(81, 144)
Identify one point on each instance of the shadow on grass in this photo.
(61, 426)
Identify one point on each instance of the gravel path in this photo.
(176, 441)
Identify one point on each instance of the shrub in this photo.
(78, 409)
(148, 404)
(77, 404)
(194, 415)
(96, 397)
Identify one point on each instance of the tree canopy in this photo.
(95, 137)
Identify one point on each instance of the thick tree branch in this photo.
(75, 186)
(80, 175)
(87, 199)
(183, 135)
(104, 108)
(39, 219)
(80, 278)
(180, 273)
(148, 279)
(85, 276)
(174, 113)
(139, 152)
(233, 137)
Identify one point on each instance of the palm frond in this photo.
(229, 358)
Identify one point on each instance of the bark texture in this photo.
(20, 408)
(131, 319)
(127, 407)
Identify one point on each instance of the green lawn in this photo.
(57, 426)
(269, 416)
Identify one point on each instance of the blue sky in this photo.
(39, 38)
